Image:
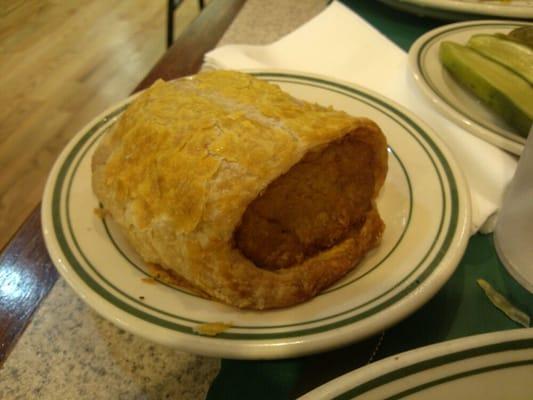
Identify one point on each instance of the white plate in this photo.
(482, 367)
(466, 9)
(424, 202)
(448, 96)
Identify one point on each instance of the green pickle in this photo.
(515, 56)
(506, 93)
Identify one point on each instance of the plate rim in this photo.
(462, 7)
(407, 363)
(514, 145)
(259, 348)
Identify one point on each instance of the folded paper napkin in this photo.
(325, 45)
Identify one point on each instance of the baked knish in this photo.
(256, 198)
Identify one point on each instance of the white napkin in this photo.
(340, 44)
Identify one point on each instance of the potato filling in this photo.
(311, 208)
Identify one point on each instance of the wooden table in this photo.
(26, 272)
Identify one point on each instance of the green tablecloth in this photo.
(459, 309)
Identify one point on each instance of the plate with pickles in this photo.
(480, 75)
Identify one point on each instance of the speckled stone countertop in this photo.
(70, 352)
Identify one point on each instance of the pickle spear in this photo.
(513, 55)
(506, 93)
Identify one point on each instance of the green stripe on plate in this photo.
(407, 371)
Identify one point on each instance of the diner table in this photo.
(53, 345)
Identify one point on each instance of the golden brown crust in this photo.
(185, 160)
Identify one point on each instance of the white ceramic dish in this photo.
(424, 203)
(466, 9)
(448, 96)
(482, 367)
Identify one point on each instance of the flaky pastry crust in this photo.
(183, 162)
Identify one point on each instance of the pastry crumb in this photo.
(211, 328)
(171, 278)
(160, 274)
(150, 281)
(100, 212)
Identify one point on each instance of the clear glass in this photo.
(513, 236)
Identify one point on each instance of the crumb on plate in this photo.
(211, 328)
